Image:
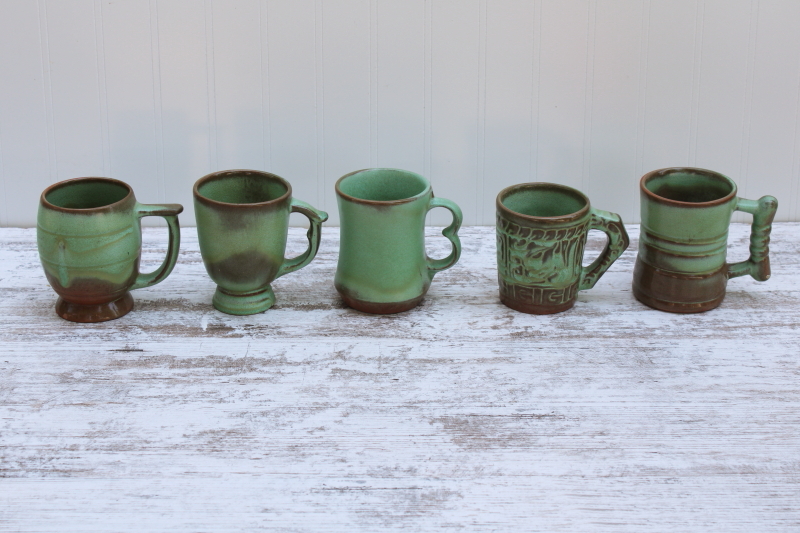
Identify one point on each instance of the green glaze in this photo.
(242, 224)
(89, 239)
(541, 236)
(686, 212)
(383, 267)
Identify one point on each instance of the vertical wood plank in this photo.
(509, 79)
(613, 173)
(562, 92)
(76, 96)
(667, 129)
(184, 99)
(292, 95)
(454, 107)
(346, 60)
(723, 81)
(401, 84)
(776, 78)
(24, 159)
(131, 102)
(237, 84)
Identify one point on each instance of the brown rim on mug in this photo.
(86, 210)
(223, 174)
(379, 203)
(662, 172)
(542, 185)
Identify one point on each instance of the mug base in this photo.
(381, 308)
(94, 312)
(534, 309)
(244, 304)
(677, 292)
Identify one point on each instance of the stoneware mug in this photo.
(686, 213)
(541, 235)
(242, 224)
(90, 242)
(383, 267)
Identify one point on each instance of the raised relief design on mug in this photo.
(532, 256)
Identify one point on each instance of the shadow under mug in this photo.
(242, 225)
(541, 235)
(383, 267)
(683, 243)
(89, 238)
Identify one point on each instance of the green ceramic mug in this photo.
(90, 242)
(683, 243)
(242, 224)
(541, 235)
(383, 267)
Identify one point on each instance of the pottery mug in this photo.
(90, 242)
(383, 267)
(541, 236)
(242, 225)
(683, 243)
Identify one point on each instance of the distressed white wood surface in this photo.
(459, 415)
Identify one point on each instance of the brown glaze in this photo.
(699, 197)
(91, 291)
(118, 206)
(245, 267)
(100, 312)
(377, 308)
(677, 292)
(537, 301)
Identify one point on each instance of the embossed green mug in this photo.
(683, 242)
(242, 224)
(383, 267)
(90, 242)
(541, 236)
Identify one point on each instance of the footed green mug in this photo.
(683, 242)
(90, 242)
(383, 267)
(242, 224)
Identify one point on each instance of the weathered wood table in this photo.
(459, 415)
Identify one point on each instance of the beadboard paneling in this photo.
(474, 94)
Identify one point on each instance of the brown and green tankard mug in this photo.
(683, 243)
(383, 267)
(90, 242)
(242, 224)
(541, 235)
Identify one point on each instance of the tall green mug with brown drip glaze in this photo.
(242, 224)
(383, 267)
(683, 243)
(541, 235)
(90, 242)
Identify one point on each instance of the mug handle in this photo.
(757, 265)
(315, 219)
(451, 232)
(170, 213)
(610, 224)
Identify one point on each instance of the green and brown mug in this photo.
(383, 267)
(541, 236)
(683, 242)
(90, 243)
(242, 224)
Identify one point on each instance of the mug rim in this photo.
(108, 207)
(221, 174)
(569, 217)
(687, 170)
(383, 202)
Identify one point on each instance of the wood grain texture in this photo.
(459, 415)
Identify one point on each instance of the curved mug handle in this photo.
(315, 219)
(757, 265)
(170, 213)
(451, 232)
(610, 224)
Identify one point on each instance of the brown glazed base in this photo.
(386, 308)
(96, 312)
(536, 309)
(678, 293)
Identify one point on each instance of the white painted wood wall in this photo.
(474, 94)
